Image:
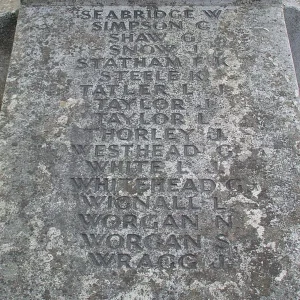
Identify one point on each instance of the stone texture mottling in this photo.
(9, 5)
(292, 20)
(241, 109)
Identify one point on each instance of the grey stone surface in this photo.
(9, 5)
(146, 2)
(156, 161)
(8, 22)
(291, 3)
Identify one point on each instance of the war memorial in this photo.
(149, 150)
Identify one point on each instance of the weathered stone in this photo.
(150, 152)
(8, 22)
(291, 3)
(292, 19)
(9, 5)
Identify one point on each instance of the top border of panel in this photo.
(147, 2)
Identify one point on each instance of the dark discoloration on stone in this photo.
(244, 113)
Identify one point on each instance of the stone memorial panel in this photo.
(150, 150)
(8, 22)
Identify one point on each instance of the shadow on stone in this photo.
(292, 19)
(8, 23)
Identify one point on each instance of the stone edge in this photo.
(147, 2)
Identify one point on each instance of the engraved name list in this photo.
(145, 155)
